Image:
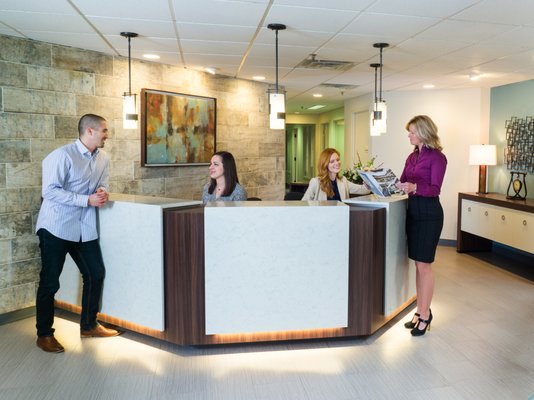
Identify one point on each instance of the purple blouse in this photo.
(427, 170)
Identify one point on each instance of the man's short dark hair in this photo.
(89, 121)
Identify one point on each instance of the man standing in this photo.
(75, 180)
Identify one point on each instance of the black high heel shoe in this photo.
(420, 332)
(411, 324)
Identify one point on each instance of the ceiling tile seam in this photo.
(414, 36)
(339, 31)
(316, 51)
(440, 20)
(254, 36)
(92, 26)
(14, 29)
(451, 17)
(176, 32)
(453, 51)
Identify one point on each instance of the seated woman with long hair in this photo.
(224, 184)
(329, 184)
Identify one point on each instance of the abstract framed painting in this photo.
(177, 129)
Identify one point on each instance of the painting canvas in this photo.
(177, 129)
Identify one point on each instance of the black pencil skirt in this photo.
(424, 222)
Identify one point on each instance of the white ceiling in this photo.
(439, 42)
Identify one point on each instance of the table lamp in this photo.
(482, 155)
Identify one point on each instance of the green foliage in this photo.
(352, 173)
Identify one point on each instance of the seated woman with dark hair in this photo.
(224, 184)
(329, 185)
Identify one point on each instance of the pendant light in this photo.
(375, 113)
(378, 120)
(129, 107)
(277, 97)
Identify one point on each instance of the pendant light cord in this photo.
(381, 64)
(129, 68)
(375, 102)
(276, 28)
(276, 46)
(129, 36)
(376, 98)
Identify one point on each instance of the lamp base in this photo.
(482, 179)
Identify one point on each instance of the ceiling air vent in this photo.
(314, 63)
(341, 86)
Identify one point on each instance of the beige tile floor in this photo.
(481, 346)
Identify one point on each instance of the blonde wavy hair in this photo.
(322, 167)
(426, 130)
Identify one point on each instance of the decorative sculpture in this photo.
(519, 154)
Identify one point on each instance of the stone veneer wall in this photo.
(45, 88)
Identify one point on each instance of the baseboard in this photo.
(17, 315)
(447, 242)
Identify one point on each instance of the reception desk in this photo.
(251, 271)
(131, 238)
(399, 283)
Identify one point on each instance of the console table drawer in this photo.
(504, 225)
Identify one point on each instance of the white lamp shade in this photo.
(129, 112)
(277, 110)
(378, 125)
(482, 154)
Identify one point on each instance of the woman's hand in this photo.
(407, 187)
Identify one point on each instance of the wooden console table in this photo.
(485, 218)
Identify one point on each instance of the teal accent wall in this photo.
(514, 100)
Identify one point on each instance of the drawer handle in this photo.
(486, 213)
(503, 217)
(524, 222)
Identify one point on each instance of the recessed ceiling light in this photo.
(429, 86)
(258, 78)
(210, 70)
(152, 56)
(316, 107)
(317, 95)
(474, 76)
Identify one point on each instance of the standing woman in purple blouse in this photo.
(421, 179)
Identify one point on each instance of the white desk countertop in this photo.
(164, 202)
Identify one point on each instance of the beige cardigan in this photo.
(345, 187)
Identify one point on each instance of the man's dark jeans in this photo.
(88, 258)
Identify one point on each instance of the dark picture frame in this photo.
(177, 129)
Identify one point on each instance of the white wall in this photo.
(462, 117)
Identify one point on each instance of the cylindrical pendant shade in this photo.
(378, 118)
(277, 110)
(129, 111)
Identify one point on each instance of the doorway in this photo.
(300, 159)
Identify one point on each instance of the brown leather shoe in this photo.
(99, 331)
(49, 344)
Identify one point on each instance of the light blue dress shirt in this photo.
(70, 175)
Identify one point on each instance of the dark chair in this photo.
(293, 196)
(253, 199)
